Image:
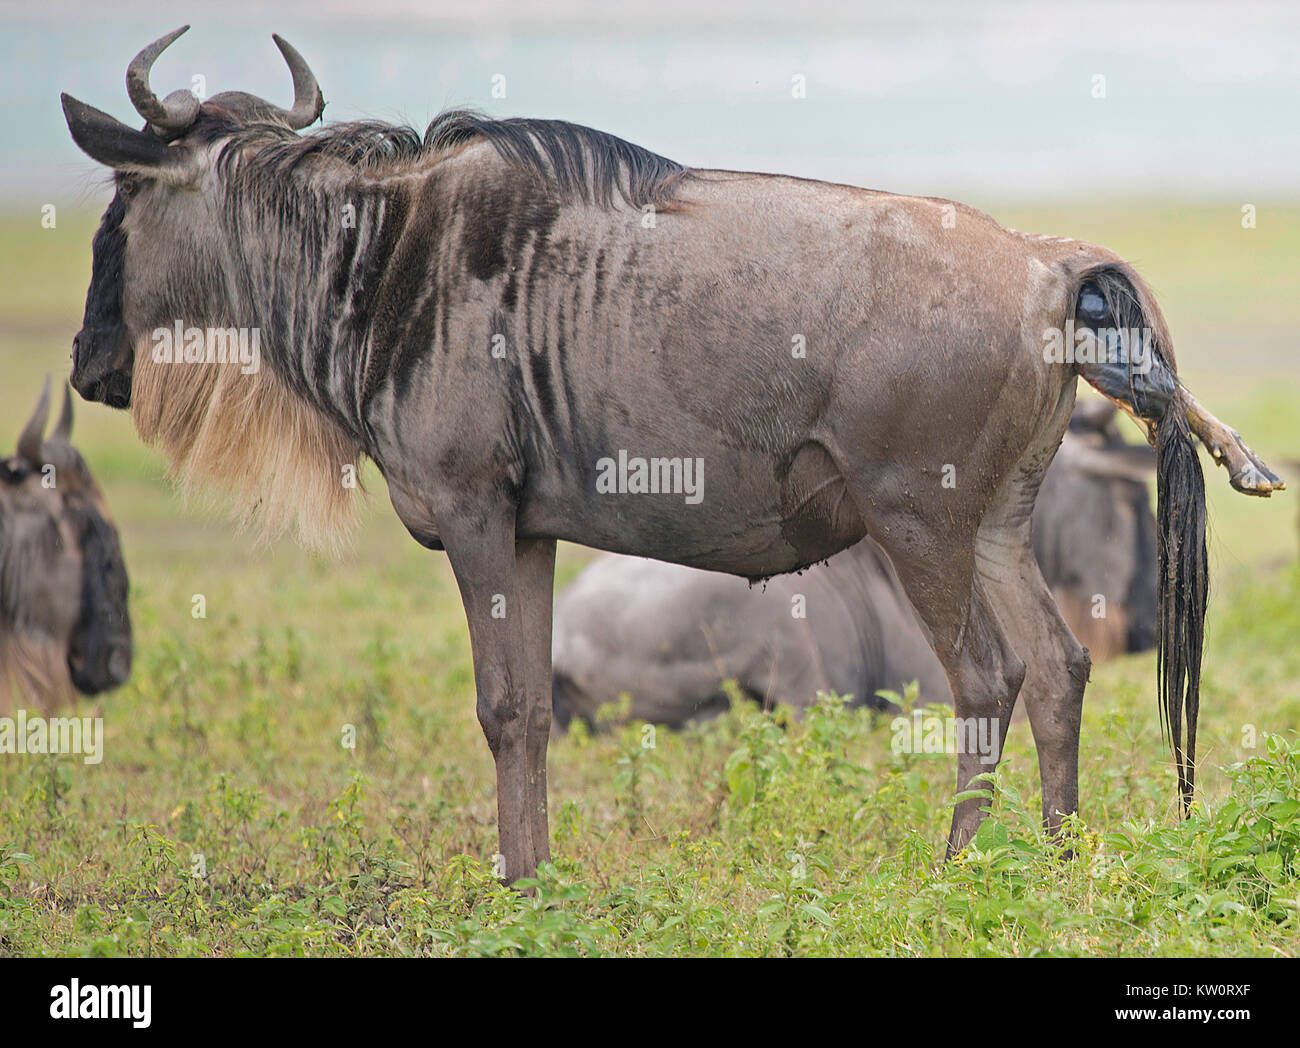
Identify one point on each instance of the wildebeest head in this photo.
(167, 256)
(1095, 534)
(150, 245)
(63, 587)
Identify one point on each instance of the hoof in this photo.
(1250, 481)
(1247, 472)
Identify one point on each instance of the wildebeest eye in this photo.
(13, 470)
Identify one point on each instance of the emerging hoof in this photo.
(1248, 474)
(1251, 482)
(1246, 470)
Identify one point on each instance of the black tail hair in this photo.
(1145, 378)
(1183, 588)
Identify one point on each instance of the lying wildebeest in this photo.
(539, 331)
(64, 625)
(669, 635)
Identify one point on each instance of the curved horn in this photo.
(29, 444)
(308, 102)
(179, 109)
(63, 431)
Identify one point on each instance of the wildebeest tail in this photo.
(1131, 361)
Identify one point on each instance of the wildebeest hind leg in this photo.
(1056, 664)
(983, 670)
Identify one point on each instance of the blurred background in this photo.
(1166, 131)
(938, 98)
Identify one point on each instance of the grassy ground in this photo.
(228, 818)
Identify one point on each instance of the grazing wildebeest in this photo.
(668, 635)
(64, 625)
(519, 320)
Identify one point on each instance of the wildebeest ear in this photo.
(63, 431)
(108, 140)
(33, 435)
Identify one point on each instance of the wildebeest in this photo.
(1095, 536)
(519, 320)
(668, 635)
(64, 623)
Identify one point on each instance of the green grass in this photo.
(228, 818)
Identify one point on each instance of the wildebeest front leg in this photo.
(535, 565)
(504, 586)
(1246, 470)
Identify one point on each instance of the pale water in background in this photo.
(963, 100)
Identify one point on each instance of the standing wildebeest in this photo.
(496, 312)
(64, 625)
(668, 634)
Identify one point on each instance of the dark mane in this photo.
(581, 162)
(584, 163)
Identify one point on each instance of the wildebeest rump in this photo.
(64, 622)
(493, 312)
(668, 635)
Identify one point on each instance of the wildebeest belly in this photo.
(744, 512)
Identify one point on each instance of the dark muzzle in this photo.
(99, 656)
(99, 373)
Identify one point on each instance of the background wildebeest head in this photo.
(1095, 534)
(174, 258)
(63, 587)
